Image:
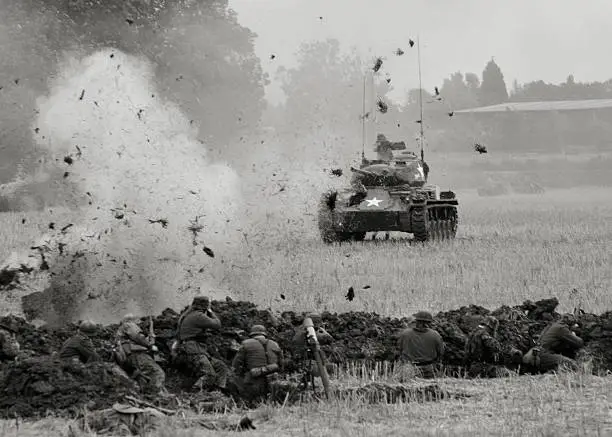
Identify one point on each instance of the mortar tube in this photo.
(309, 325)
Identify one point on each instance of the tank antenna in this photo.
(363, 117)
(422, 134)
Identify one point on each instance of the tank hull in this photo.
(426, 213)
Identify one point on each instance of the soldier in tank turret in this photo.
(383, 148)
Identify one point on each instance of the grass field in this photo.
(508, 249)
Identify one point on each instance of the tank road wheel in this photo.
(442, 223)
(420, 223)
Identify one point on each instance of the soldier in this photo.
(137, 357)
(421, 346)
(191, 350)
(9, 346)
(483, 352)
(383, 148)
(557, 346)
(256, 365)
(79, 347)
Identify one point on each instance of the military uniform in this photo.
(557, 346)
(9, 346)
(139, 362)
(191, 351)
(80, 347)
(483, 352)
(421, 346)
(256, 365)
(383, 148)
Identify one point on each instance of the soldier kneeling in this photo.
(134, 354)
(256, 365)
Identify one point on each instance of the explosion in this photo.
(144, 179)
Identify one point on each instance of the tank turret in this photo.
(387, 195)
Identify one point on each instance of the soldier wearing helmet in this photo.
(421, 346)
(79, 347)
(557, 346)
(483, 352)
(194, 328)
(136, 356)
(256, 365)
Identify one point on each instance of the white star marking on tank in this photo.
(374, 202)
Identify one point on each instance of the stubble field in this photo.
(508, 249)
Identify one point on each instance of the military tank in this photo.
(385, 196)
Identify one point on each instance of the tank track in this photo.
(434, 223)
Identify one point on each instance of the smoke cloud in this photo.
(153, 201)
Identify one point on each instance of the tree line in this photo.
(324, 97)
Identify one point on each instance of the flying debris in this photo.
(282, 296)
(208, 251)
(163, 222)
(382, 106)
(365, 287)
(129, 21)
(82, 95)
(377, 64)
(388, 80)
(399, 52)
(451, 113)
(272, 56)
(336, 172)
(411, 42)
(437, 91)
(480, 148)
(350, 295)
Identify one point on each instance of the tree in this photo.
(204, 59)
(493, 89)
(458, 93)
(473, 82)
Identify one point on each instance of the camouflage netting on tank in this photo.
(363, 338)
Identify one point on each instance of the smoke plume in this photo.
(153, 201)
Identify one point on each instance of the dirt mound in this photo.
(358, 338)
(38, 385)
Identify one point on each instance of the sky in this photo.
(529, 39)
